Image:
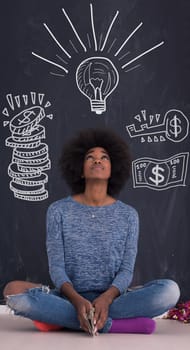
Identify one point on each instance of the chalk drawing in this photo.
(96, 76)
(148, 128)
(30, 157)
(159, 174)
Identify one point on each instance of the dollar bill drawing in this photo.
(160, 174)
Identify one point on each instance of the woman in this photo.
(92, 245)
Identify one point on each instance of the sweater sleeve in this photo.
(55, 247)
(125, 274)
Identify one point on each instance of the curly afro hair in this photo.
(72, 159)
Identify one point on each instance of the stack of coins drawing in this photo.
(30, 155)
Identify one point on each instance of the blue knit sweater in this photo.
(91, 247)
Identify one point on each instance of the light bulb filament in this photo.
(97, 83)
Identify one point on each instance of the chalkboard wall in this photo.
(69, 65)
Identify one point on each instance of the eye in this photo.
(89, 157)
(105, 157)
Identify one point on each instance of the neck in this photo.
(95, 198)
(95, 195)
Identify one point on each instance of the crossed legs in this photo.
(31, 300)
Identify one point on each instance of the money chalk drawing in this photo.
(30, 157)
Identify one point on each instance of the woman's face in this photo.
(97, 164)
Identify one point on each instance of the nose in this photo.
(97, 160)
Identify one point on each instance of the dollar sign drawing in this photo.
(174, 126)
(159, 178)
(26, 118)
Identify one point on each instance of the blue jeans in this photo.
(42, 304)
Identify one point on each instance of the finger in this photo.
(101, 321)
(97, 314)
(82, 316)
(84, 325)
(98, 320)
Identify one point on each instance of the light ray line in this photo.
(111, 45)
(89, 43)
(33, 97)
(127, 53)
(5, 112)
(142, 54)
(46, 60)
(128, 70)
(48, 104)
(25, 98)
(62, 59)
(93, 29)
(50, 116)
(40, 98)
(100, 41)
(109, 29)
(58, 75)
(134, 31)
(74, 30)
(73, 46)
(57, 42)
(10, 101)
(17, 99)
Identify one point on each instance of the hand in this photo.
(101, 305)
(83, 307)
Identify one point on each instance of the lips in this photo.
(97, 167)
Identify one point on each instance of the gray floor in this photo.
(19, 334)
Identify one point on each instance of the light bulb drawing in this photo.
(96, 78)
